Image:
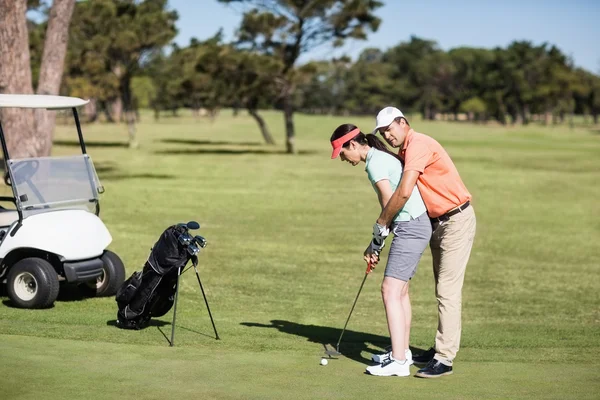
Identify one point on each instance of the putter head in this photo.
(331, 353)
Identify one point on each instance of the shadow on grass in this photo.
(10, 304)
(71, 292)
(108, 171)
(229, 151)
(158, 324)
(352, 345)
(120, 177)
(153, 322)
(210, 142)
(72, 143)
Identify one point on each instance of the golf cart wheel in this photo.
(111, 279)
(32, 283)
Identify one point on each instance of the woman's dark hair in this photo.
(361, 138)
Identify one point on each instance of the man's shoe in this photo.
(425, 357)
(390, 367)
(379, 358)
(434, 369)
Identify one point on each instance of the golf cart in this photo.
(54, 234)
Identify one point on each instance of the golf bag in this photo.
(150, 292)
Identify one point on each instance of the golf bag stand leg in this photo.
(206, 301)
(172, 343)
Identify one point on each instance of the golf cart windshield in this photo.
(45, 183)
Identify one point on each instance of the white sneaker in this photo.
(390, 367)
(378, 358)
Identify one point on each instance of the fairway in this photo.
(284, 263)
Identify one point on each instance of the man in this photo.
(427, 164)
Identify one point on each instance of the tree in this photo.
(285, 29)
(35, 128)
(249, 79)
(114, 38)
(406, 59)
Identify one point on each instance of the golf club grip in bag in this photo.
(150, 292)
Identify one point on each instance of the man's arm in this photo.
(399, 197)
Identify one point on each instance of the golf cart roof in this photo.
(40, 101)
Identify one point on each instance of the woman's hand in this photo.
(370, 256)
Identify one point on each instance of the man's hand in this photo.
(380, 232)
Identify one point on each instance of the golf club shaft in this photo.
(206, 301)
(369, 268)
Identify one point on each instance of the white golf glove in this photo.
(380, 232)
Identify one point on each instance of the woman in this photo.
(412, 231)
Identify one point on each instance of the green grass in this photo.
(286, 235)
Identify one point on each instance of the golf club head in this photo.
(185, 239)
(193, 225)
(189, 225)
(331, 352)
(201, 241)
(193, 249)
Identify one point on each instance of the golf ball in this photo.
(323, 361)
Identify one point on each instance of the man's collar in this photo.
(405, 143)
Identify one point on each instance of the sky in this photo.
(573, 26)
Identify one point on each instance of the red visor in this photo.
(339, 142)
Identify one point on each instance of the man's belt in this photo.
(446, 217)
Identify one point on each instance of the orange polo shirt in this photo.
(439, 182)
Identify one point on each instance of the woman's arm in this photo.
(384, 192)
(399, 198)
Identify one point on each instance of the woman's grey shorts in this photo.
(410, 240)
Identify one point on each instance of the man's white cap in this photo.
(386, 117)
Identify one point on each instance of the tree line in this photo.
(120, 54)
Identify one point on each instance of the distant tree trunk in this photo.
(572, 119)
(15, 77)
(129, 112)
(156, 114)
(525, 114)
(213, 113)
(262, 125)
(548, 117)
(501, 113)
(116, 110)
(51, 70)
(106, 109)
(91, 110)
(595, 116)
(288, 114)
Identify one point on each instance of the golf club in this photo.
(200, 241)
(336, 352)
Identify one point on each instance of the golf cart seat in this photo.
(7, 217)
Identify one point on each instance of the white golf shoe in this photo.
(378, 358)
(390, 367)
